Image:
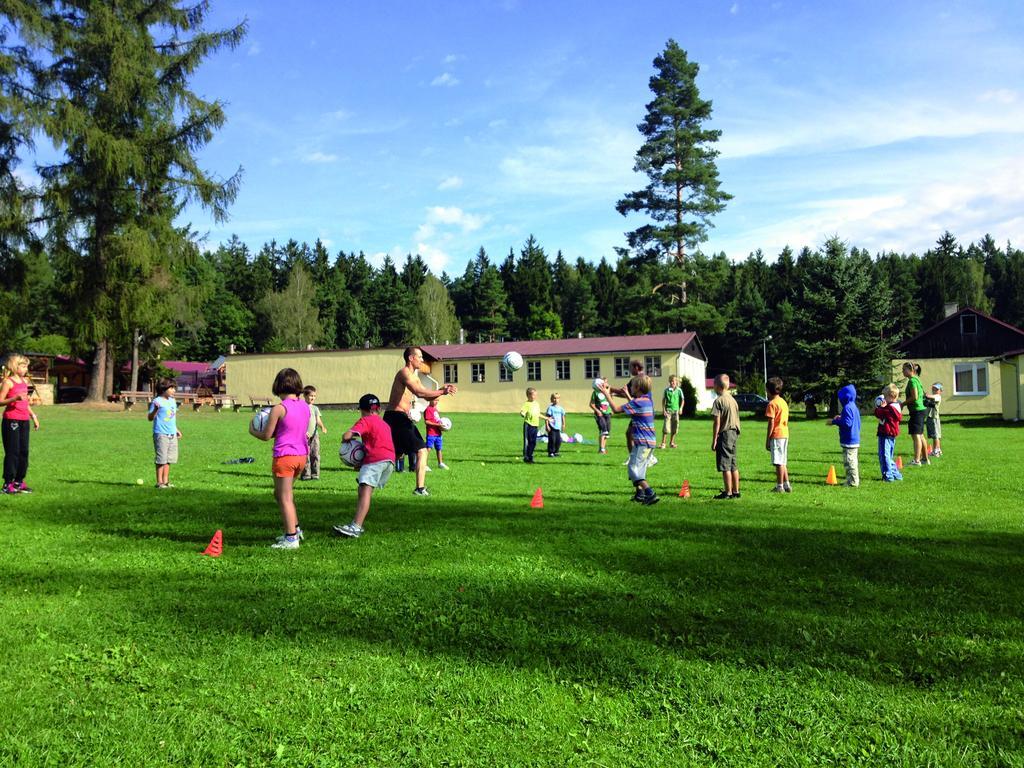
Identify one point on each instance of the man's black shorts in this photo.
(916, 426)
(404, 435)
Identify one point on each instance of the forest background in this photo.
(821, 306)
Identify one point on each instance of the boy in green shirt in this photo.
(672, 407)
(531, 421)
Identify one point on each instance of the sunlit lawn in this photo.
(876, 626)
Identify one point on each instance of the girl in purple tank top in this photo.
(287, 425)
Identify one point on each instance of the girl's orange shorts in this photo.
(288, 466)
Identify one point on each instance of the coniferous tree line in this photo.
(92, 261)
(834, 313)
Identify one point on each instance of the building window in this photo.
(451, 373)
(621, 367)
(561, 370)
(477, 370)
(970, 379)
(652, 365)
(968, 323)
(533, 370)
(504, 374)
(591, 367)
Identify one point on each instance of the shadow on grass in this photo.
(607, 594)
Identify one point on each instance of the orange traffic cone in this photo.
(216, 545)
(684, 492)
(899, 462)
(538, 500)
(831, 479)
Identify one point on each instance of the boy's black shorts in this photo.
(404, 435)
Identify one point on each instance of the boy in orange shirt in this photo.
(777, 440)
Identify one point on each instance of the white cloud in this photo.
(734, 9)
(451, 58)
(1000, 96)
(436, 258)
(801, 122)
(447, 80)
(255, 49)
(969, 201)
(320, 158)
(457, 217)
(499, 123)
(579, 153)
(451, 182)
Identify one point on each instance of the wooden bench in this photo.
(131, 398)
(258, 402)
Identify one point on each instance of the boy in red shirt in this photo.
(378, 464)
(889, 413)
(432, 419)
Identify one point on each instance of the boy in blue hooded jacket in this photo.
(848, 422)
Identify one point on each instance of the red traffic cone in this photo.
(684, 492)
(831, 479)
(216, 545)
(899, 462)
(538, 500)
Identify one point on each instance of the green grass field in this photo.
(874, 626)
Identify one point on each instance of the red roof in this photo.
(598, 345)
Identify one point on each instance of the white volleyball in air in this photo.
(513, 361)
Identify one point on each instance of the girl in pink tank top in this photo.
(287, 426)
(14, 398)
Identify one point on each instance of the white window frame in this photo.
(451, 373)
(621, 367)
(479, 372)
(652, 365)
(591, 367)
(973, 368)
(504, 374)
(533, 370)
(561, 375)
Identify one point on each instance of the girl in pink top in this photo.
(287, 425)
(14, 398)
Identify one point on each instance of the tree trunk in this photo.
(135, 360)
(97, 373)
(108, 384)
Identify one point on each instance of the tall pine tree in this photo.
(678, 158)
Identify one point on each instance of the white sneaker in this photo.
(285, 543)
(442, 465)
(298, 535)
(429, 469)
(350, 530)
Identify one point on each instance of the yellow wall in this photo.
(339, 377)
(1012, 372)
(941, 369)
(344, 376)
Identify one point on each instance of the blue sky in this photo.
(441, 127)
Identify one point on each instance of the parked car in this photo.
(749, 401)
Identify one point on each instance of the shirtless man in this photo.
(404, 434)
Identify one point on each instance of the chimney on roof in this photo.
(462, 335)
(366, 344)
(579, 335)
(950, 308)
